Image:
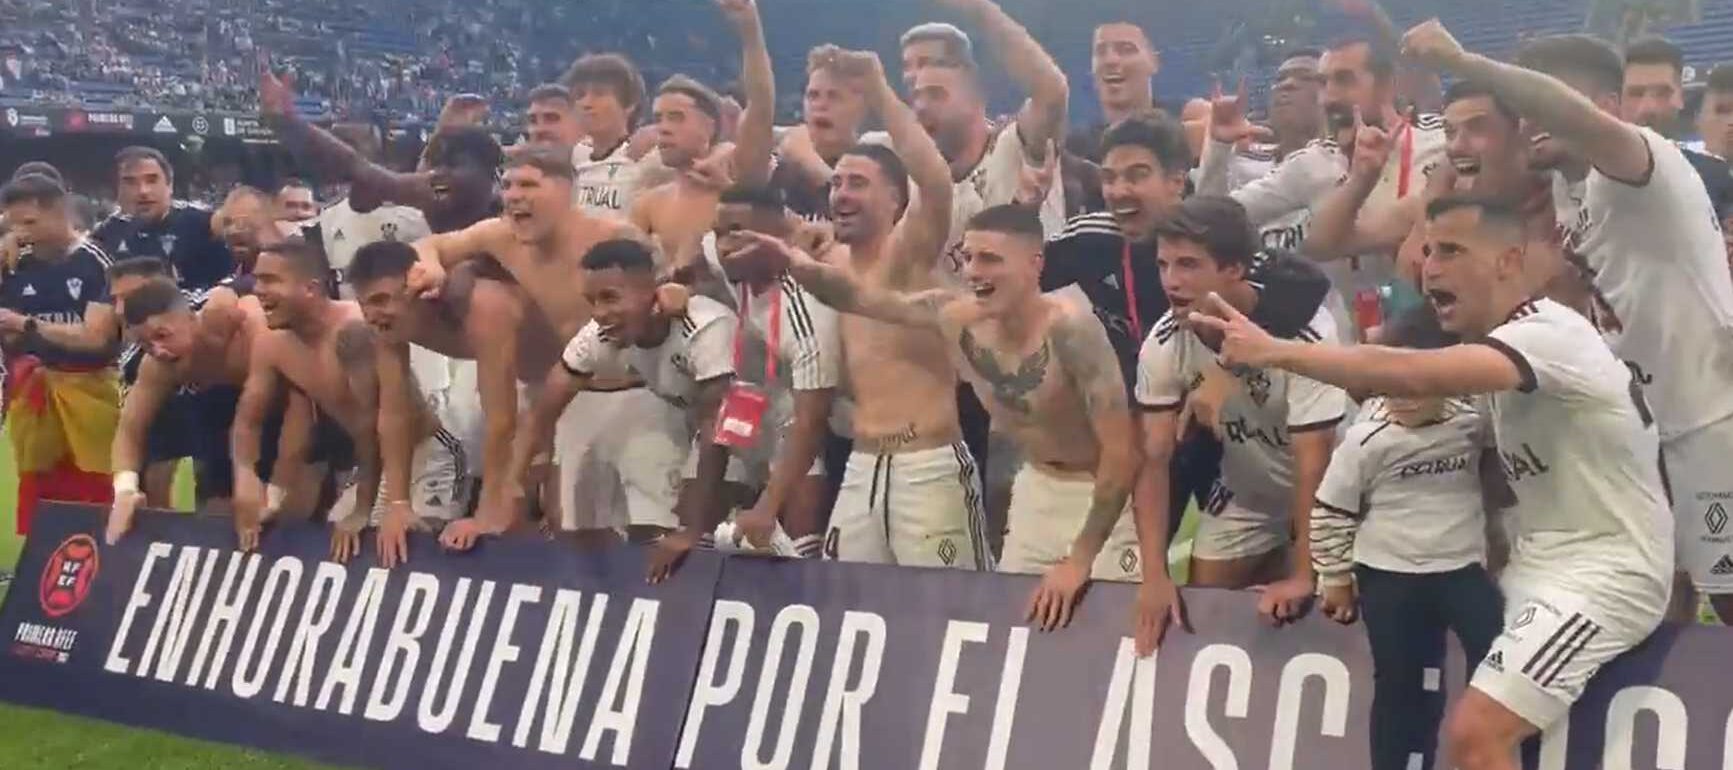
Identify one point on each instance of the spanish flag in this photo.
(61, 423)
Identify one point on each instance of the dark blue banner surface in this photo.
(523, 651)
(531, 654)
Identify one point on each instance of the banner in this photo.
(523, 652)
(526, 653)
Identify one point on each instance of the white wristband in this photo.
(274, 497)
(126, 483)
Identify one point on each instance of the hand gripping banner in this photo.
(533, 654)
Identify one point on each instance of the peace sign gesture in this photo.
(1244, 343)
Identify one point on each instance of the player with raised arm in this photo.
(1646, 231)
(910, 494)
(689, 123)
(1591, 542)
(688, 362)
(323, 348)
(1277, 429)
(454, 192)
(1046, 372)
(987, 162)
(1359, 89)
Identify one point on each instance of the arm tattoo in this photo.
(1011, 388)
(1090, 361)
(355, 346)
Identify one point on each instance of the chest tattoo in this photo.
(1011, 387)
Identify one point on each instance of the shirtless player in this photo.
(207, 349)
(323, 348)
(688, 124)
(540, 241)
(413, 428)
(1049, 377)
(910, 494)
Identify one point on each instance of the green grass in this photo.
(34, 739)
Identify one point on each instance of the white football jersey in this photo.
(1416, 491)
(604, 186)
(699, 348)
(1280, 204)
(809, 345)
(1658, 261)
(343, 231)
(1266, 406)
(1580, 452)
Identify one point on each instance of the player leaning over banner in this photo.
(323, 348)
(61, 400)
(199, 353)
(1277, 428)
(688, 362)
(1591, 542)
(1048, 376)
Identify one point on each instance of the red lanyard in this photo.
(775, 341)
(1130, 289)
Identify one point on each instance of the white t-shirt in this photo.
(604, 186)
(698, 348)
(343, 231)
(1415, 490)
(1659, 262)
(992, 182)
(1580, 453)
(1265, 407)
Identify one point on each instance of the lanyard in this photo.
(774, 342)
(1130, 289)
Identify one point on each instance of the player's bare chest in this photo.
(1015, 381)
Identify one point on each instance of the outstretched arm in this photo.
(1042, 118)
(369, 182)
(1081, 345)
(357, 353)
(921, 234)
(752, 139)
(835, 287)
(1614, 147)
(1459, 370)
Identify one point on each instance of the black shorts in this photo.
(173, 434)
(213, 411)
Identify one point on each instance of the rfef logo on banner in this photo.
(66, 581)
(70, 572)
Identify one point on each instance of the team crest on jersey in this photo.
(29, 290)
(337, 236)
(73, 286)
(388, 231)
(1257, 385)
(168, 243)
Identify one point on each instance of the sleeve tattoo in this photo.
(1081, 345)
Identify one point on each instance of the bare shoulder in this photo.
(354, 340)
